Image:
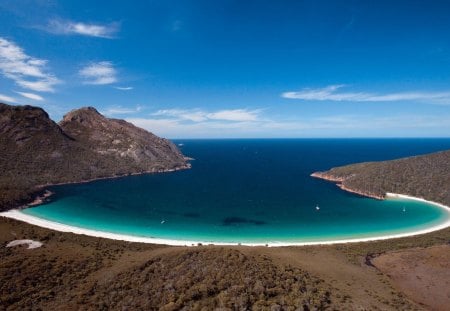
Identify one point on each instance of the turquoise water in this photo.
(248, 191)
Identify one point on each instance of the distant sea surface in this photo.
(248, 191)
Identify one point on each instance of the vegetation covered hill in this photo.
(77, 272)
(426, 176)
(35, 151)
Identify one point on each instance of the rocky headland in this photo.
(425, 176)
(340, 183)
(36, 152)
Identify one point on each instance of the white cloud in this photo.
(100, 73)
(77, 28)
(124, 88)
(7, 99)
(196, 115)
(118, 110)
(26, 71)
(157, 125)
(235, 115)
(200, 123)
(332, 93)
(177, 128)
(324, 126)
(31, 96)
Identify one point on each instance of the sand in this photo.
(18, 215)
(31, 244)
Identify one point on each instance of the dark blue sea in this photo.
(249, 191)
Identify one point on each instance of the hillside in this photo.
(425, 176)
(35, 151)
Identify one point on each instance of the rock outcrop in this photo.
(133, 149)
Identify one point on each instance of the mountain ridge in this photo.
(84, 145)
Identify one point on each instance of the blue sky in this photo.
(206, 69)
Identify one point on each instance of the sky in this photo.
(235, 68)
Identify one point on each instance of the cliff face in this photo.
(35, 151)
(426, 176)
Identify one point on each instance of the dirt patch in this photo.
(423, 274)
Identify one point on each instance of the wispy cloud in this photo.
(124, 88)
(235, 115)
(31, 96)
(325, 126)
(65, 27)
(193, 115)
(202, 123)
(7, 99)
(119, 110)
(26, 71)
(100, 73)
(334, 93)
(168, 127)
(197, 115)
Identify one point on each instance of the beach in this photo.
(80, 263)
(18, 215)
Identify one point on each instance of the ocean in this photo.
(249, 191)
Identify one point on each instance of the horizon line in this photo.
(280, 138)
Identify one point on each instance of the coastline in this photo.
(340, 183)
(44, 194)
(18, 215)
(153, 171)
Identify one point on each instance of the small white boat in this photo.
(404, 209)
(181, 145)
(317, 207)
(162, 222)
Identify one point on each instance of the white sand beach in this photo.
(18, 215)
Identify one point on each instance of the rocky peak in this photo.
(86, 116)
(20, 122)
(34, 150)
(118, 138)
(23, 111)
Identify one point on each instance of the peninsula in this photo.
(36, 152)
(425, 176)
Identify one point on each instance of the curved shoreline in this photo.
(339, 181)
(152, 171)
(43, 194)
(18, 215)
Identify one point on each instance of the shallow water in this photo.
(249, 191)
